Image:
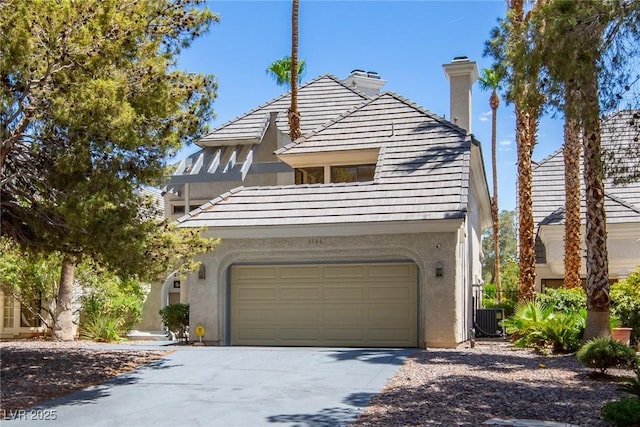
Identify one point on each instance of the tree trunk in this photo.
(598, 301)
(572, 228)
(293, 114)
(525, 128)
(64, 329)
(494, 103)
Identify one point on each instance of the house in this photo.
(620, 132)
(365, 231)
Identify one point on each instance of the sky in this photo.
(406, 42)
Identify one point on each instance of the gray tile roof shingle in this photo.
(423, 174)
(319, 101)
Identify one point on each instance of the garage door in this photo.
(350, 305)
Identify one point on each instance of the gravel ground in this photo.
(34, 371)
(443, 387)
(464, 386)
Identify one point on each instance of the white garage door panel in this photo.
(371, 305)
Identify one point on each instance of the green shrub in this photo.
(110, 307)
(176, 318)
(508, 300)
(525, 321)
(563, 331)
(622, 413)
(625, 304)
(537, 325)
(632, 385)
(102, 328)
(564, 300)
(604, 353)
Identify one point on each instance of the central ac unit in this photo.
(487, 322)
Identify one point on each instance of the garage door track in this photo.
(234, 386)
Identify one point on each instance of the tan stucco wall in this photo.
(440, 304)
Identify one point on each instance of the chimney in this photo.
(368, 83)
(461, 74)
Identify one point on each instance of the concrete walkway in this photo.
(230, 386)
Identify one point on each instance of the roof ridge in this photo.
(549, 157)
(429, 113)
(342, 83)
(273, 100)
(326, 125)
(353, 110)
(622, 202)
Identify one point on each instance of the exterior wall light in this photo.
(439, 269)
(202, 272)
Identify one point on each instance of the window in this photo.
(7, 312)
(180, 209)
(354, 173)
(310, 175)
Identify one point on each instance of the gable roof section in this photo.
(385, 118)
(319, 101)
(622, 201)
(618, 211)
(423, 174)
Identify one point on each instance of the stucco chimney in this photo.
(368, 82)
(462, 74)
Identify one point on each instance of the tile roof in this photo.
(422, 175)
(319, 101)
(622, 201)
(385, 118)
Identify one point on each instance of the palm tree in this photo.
(571, 37)
(293, 114)
(528, 102)
(571, 154)
(490, 79)
(280, 70)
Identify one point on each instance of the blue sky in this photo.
(406, 42)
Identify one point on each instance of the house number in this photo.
(315, 242)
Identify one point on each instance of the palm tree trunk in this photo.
(571, 153)
(526, 127)
(598, 301)
(293, 115)
(494, 201)
(64, 329)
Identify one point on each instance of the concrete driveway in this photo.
(231, 386)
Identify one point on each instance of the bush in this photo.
(537, 325)
(604, 353)
(563, 331)
(623, 413)
(110, 307)
(564, 300)
(632, 385)
(104, 328)
(508, 300)
(625, 304)
(176, 318)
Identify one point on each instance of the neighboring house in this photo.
(366, 231)
(620, 133)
